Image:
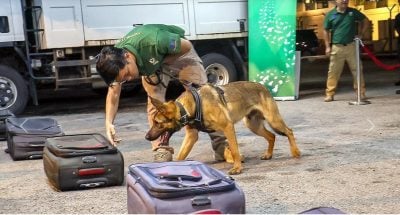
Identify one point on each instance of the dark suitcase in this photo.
(323, 210)
(82, 161)
(4, 114)
(181, 187)
(26, 136)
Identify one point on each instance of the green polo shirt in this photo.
(150, 44)
(345, 31)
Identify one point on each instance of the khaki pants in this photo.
(188, 67)
(339, 55)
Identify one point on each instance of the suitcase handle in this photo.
(89, 159)
(181, 177)
(201, 201)
(36, 144)
(35, 156)
(92, 182)
(92, 185)
(181, 184)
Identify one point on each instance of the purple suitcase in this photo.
(323, 210)
(181, 187)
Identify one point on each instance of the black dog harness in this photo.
(197, 121)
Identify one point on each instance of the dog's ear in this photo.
(157, 103)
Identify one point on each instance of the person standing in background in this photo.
(397, 28)
(340, 30)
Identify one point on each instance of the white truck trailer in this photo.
(50, 44)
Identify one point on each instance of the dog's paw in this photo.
(266, 157)
(296, 153)
(235, 171)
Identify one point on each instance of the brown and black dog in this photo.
(249, 101)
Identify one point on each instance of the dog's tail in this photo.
(273, 117)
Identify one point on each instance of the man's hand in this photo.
(112, 102)
(111, 135)
(328, 50)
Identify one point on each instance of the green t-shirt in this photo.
(150, 44)
(345, 31)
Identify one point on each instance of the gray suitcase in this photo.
(181, 187)
(26, 136)
(81, 161)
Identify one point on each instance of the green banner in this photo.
(272, 38)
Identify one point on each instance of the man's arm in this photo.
(186, 45)
(397, 23)
(327, 39)
(364, 27)
(112, 102)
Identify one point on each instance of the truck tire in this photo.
(220, 69)
(13, 90)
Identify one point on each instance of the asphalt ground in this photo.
(350, 153)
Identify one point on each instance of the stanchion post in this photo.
(358, 102)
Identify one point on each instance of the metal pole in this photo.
(358, 102)
(390, 28)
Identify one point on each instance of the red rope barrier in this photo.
(378, 62)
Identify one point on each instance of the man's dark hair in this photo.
(109, 62)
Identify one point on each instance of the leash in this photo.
(173, 77)
(221, 94)
(158, 73)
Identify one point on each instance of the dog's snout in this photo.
(148, 137)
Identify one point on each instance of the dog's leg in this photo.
(293, 146)
(283, 130)
(255, 123)
(271, 114)
(191, 136)
(230, 135)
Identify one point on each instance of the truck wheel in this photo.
(220, 69)
(13, 90)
